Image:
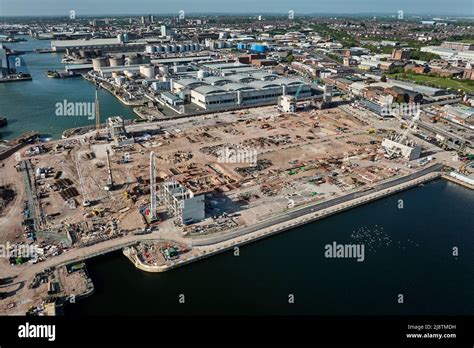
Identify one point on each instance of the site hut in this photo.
(182, 203)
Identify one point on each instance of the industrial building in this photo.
(461, 114)
(242, 90)
(181, 202)
(407, 150)
(116, 130)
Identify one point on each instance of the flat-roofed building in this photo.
(460, 114)
(212, 98)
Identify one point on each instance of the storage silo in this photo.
(150, 49)
(98, 63)
(147, 71)
(117, 61)
(133, 60)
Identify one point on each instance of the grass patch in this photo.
(436, 81)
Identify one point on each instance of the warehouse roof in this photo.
(236, 87)
(208, 90)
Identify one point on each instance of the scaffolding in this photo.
(181, 202)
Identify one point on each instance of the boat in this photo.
(53, 74)
(61, 74)
(3, 121)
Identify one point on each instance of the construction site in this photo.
(174, 191)
(204, 176)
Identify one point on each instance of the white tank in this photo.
(133, 60)
(150, 49)
(120, 38)
(116, 61)
(98, 63)
(173, 48)
(147, 71)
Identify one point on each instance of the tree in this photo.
(383, 79)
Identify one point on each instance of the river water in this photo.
(31, 105)
(408, 252)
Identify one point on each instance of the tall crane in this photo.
(152, 186)
(110, 181)
(97, 114)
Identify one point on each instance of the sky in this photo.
(124, 7)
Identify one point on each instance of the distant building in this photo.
(460, 114)
(401, 54)
(458, 46)
(165, 31)
(417, 69)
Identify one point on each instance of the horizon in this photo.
(88, 8)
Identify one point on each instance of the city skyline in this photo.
(122, 7)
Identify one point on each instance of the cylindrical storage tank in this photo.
(167, 48)
(181, 48)
(158, 48)
(150, 49)
(116, 61)
(98, 63)
(220, 44)
(173, 48)
(147, 71)
(133, 60)
(258, 48)
(125, 37)
(120, 38)
(241, 46)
